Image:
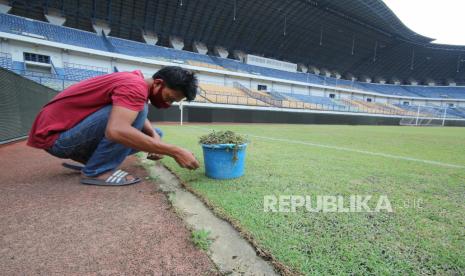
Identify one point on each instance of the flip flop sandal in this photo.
(118, 178)
(72, 167)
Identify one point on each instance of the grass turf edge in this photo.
(263, 253)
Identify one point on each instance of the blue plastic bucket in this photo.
(224, 161)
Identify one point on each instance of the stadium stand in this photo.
(54, 83)
(324, 101)
(74, 71)
(259, 95)
(277, 95)
(6, 61)
(430, 111)
(374, 107)
(460, 111)
(139, 49)
(69, 73)
(206, 65)
(456, 112)
(227, 95)
(28, 27)
(37, 29)
(437, 91)
(238, 66)
(388, 89)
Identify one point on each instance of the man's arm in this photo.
(120, 130)
(148, 129)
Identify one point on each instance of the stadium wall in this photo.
(20, 101)
(204, 114)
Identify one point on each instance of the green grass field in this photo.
(425, 238)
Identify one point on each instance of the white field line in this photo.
(386, 155)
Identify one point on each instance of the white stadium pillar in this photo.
(413, 81)
(239, 55)
(200, 48)
(380, 80)
(314, 70)
(101, 26)
(326, 72)
(366, 79)
(150, 38)
(350, 76)
(451, 82)
(221, 51)
(4, 6)
(176, 42)
(395, 80)
(430, 82)
(302, 67)
(54, 17)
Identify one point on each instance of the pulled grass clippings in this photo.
(222, 137)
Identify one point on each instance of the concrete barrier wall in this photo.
(20, 101)
(229, 115)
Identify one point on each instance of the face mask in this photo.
(157, 100)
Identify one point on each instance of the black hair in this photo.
(179, 79)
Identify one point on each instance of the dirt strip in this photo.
(52, 225)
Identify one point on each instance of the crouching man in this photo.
(100, 121)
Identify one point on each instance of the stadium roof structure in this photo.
(360, 38)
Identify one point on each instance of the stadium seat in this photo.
(38, 29)
(6, 61)
(28, 27)
(78, 72)
(324, 102)
(227, 95)
(437, 91)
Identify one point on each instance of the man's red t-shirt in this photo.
(72, 105)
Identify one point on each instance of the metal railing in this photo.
(50, 80)
(252, 98)
(262, 101)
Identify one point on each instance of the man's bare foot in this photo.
(154, 156)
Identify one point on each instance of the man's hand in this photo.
(155, 156)
(186, 159)
(120, 130)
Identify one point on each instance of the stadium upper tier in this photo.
(37, 29)
(32, 28)
(356, 37)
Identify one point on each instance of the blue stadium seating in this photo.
(454, 112)
(22, 26)
(457, 112)
(460, 111)
(277, 96)
(18, 66)
(267, 72)
(330, 81)
(139, 49)
(18, 25)
(319, 100)
(6, 61)
(437, 92)
(80, 72)
(388, 89)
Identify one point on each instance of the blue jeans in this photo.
(86, 143)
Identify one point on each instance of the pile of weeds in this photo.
(222, 137)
